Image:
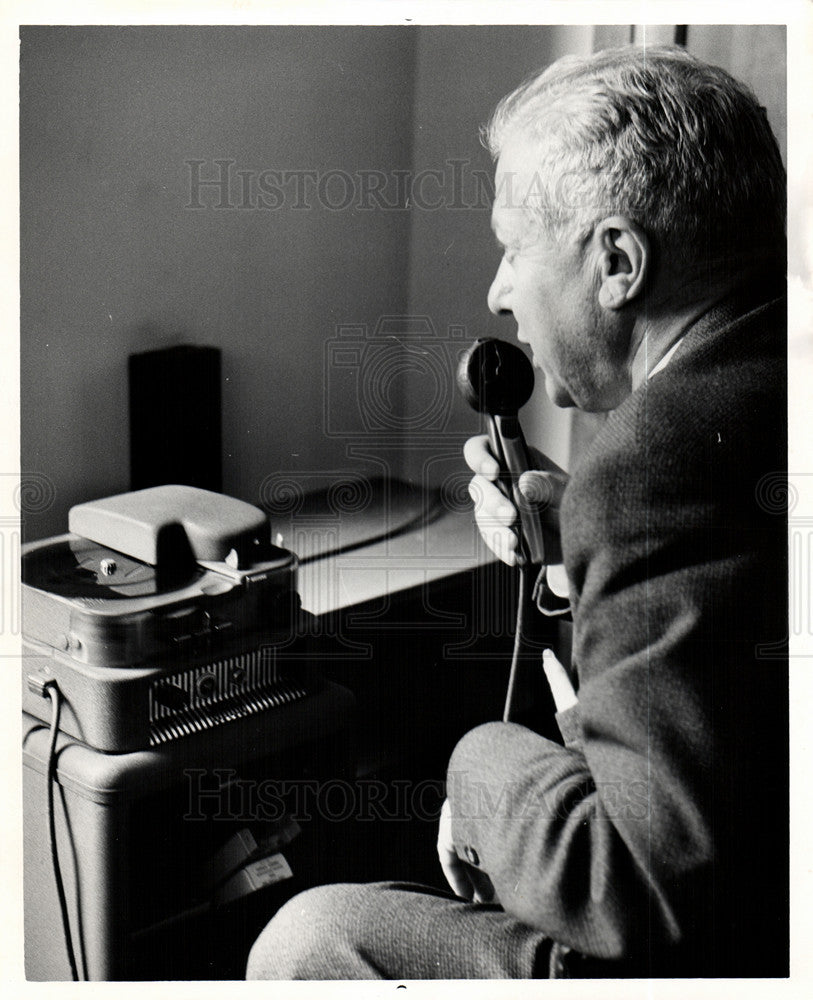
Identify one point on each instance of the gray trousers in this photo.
(391, 930)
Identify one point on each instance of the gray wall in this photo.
(114, 260)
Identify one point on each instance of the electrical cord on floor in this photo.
(55, 696)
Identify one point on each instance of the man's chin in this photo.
(558, 395)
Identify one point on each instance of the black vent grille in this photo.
(209, 695)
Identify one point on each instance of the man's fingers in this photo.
(542, 490)
(564, 694)
(491, 507)
(503, 543)
(484, 891)
(456, 875)
(453, 868)
(494, 515)
(478, 457)
(540, 498)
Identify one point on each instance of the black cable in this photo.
(519, 642)
(421, 520)
(54, 695)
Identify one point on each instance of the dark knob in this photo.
(207, 685)
(171, 696)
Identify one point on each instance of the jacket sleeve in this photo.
(609, 843)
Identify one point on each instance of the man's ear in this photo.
(623, 257)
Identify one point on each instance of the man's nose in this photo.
(498, 293)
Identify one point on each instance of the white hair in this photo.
(679, 146)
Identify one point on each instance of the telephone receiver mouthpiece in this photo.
(497, 379)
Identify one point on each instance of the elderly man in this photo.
(640, 205)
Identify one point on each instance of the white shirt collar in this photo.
(659, 367)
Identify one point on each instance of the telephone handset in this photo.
(497, 379)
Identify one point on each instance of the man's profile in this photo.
(640, 203)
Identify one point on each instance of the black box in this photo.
(175, 421)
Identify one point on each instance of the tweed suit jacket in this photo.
(654, 841)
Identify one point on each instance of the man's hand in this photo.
(453, 868)
(469, 883)
(564, 694)
(496, 515)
